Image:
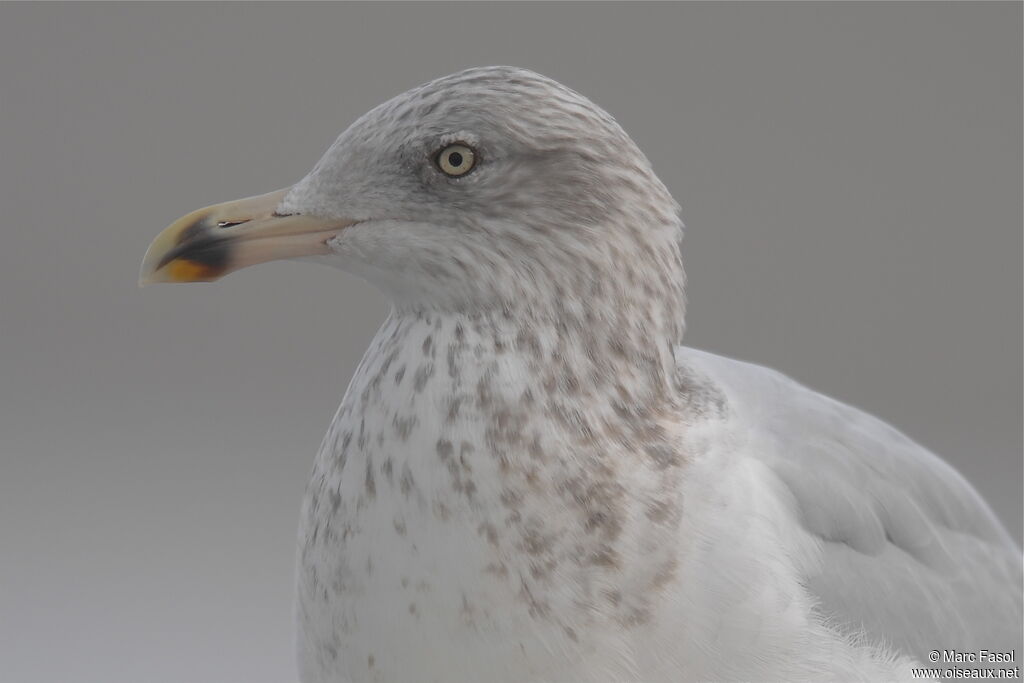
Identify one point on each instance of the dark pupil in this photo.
(455, 159)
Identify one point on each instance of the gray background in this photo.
(850, 176)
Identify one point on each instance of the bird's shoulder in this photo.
(815, 444)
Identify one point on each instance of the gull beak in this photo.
(209, 243)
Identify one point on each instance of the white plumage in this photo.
(815, 543)
(530, 480)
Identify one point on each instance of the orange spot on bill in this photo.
(183, 270)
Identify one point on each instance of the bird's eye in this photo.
(456, 160)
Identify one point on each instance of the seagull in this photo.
(530, 479)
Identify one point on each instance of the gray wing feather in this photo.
(912, 556)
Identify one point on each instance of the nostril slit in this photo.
(229, 224)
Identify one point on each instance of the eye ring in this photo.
(455, 160)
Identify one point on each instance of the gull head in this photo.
(489, 187)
